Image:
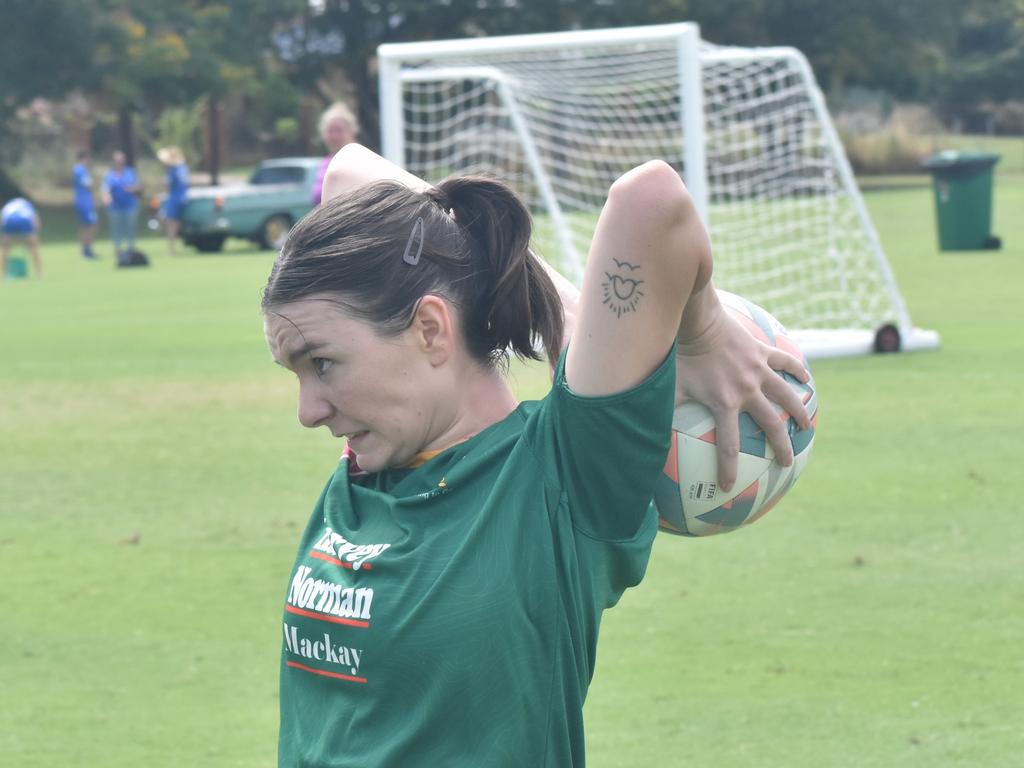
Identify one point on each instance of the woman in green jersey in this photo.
(444, 605)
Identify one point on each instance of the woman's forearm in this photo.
(355, 166)
(699, 315)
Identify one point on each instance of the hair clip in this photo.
(416, 236)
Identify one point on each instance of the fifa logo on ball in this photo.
(703, 490)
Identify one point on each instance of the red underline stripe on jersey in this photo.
(336, 561)
(325, 673)
(325, 617)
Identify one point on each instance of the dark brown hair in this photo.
(475, 254)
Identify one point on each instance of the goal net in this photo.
(561, 116)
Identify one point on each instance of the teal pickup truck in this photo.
(263, 210)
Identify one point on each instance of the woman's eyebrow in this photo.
(306, 350)
(296, 354)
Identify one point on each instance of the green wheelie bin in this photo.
(962, 182)
(17, 267)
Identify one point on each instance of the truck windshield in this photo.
(278, 174)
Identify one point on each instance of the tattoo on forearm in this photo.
(622, 291)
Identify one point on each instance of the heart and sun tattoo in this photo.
(622, 291)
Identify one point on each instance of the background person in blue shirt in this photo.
(120, 195)
(85, 204)
(177, 192)
(18, 219)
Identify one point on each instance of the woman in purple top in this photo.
(120, 195)
(338, 127)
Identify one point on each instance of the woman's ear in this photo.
(433, 327)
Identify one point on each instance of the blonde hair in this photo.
(338, 110)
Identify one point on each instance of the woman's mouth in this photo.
(354, 437)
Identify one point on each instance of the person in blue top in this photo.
(121, 196)
(18, 219)
(85, 204)
(177, 192)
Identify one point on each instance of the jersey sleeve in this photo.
(606, 452)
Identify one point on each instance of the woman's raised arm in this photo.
(649, 254)
(355, 166)
(647, 287)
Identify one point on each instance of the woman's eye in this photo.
(321, 365)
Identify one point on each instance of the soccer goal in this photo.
(562, 115)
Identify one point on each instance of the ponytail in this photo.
(471, 237)
(516, 304)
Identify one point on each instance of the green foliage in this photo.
(286, 129)
(179, 126)
(987, 58)
(267, 101)
(896, 145)
(895, 45)
(8, 187)
(46, 52)
(177, 52)
(145, 56)
(966, 52)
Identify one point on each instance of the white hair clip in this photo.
(416, 236)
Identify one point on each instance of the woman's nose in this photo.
(313, 409)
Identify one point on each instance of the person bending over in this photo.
(19, 221)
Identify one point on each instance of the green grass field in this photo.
(154, 481)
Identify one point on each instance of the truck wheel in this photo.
(274, 231)
(208, 243)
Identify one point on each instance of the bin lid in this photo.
(954, 162)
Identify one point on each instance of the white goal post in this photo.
(560, 116)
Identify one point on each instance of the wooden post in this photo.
(213, 138)
(126, 134)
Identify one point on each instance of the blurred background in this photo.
(233, 82)
(154, 480)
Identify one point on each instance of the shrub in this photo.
(894, 144)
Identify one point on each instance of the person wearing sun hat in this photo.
(177, 191)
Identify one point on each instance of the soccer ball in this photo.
(687, 495)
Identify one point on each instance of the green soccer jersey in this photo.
(448, 615)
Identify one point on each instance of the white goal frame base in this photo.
(821, 344)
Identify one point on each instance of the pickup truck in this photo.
(263, 210)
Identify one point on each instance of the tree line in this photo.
(146, 56)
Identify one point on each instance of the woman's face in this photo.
(355, 382)
(337, 133)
